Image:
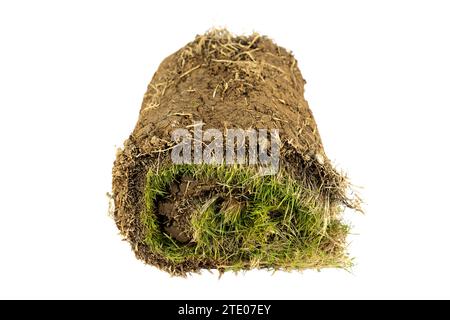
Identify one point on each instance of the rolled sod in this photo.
(184, 217)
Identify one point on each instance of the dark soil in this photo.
(176, 208)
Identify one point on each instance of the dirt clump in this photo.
(176, 208)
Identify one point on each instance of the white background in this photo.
(72, 77)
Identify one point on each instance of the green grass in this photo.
(283, 225)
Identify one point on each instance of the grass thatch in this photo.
(283, 225)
